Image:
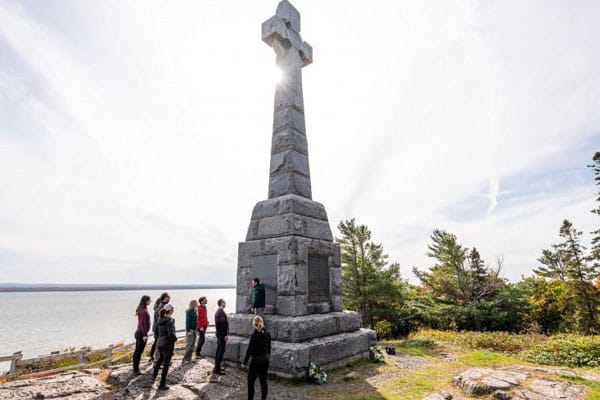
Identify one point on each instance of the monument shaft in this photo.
(289, 172)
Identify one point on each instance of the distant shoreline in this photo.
(11, 288)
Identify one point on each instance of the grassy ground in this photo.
(444, 360)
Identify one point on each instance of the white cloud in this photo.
(137, 136)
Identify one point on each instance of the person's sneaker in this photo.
(137, 373)
(163, 387)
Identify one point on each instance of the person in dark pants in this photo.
(259, 349)
(141, 333)
(158, 306)
(222, 328)
(202, 324)
(166, 344)
(258, 297)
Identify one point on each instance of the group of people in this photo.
(196, 323)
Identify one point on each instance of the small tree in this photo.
(459, 285)
(568, 262)
(595, 251)
(369, 285)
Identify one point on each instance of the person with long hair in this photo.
(167, 337)
(141, 333)
(158, 306)
(259, 349)
(191, 328)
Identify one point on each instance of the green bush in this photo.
(567, 350)
(497, 341)
(383, 329)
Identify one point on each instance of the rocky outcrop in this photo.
(68, 386)
(481, 381)
(518, 383)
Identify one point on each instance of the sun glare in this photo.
(279, 75)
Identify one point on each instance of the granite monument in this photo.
(289, 244)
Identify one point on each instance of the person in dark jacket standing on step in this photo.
(202, 324)
(222, 328)
(141, 333)
(259, 349)
(258, 297)
(158, 306)
(166, 344)
(191, 328)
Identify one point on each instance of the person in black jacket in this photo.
(222, 329)
(166, 344)
(258, 297)
(259, 349)
(158, 306)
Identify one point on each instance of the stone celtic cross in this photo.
(289, 171)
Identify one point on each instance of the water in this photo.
(37, 323)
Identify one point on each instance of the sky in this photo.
(135, 136)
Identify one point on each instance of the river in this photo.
(38, 323)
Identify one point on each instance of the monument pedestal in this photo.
(328, 340)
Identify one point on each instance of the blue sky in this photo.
(134, 137)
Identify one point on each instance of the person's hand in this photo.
(188, 333)
(226, 338)
(145, 338)
(201, 329)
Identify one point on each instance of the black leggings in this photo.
(164, 359)
(258, 368)
(140, 345)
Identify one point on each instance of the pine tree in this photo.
(569, 262)
(460, 283)
(369, 285)
(552, 265)
(595, 251)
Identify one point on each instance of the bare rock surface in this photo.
(440, 396)
(192, 381)
(407, 361)
(519, 383)
(69, 386)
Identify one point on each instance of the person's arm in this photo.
(172, 333)
(249, 349)
(145, 324)
(269, 345)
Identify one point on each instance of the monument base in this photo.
(291, 360)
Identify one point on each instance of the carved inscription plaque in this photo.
(318, 279)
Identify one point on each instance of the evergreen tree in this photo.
(552, 265)
(459, 286)
(369, 285)
(569, 262)
(595, 252)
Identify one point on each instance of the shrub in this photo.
(567, 350)
(383, 329)
(496, 341)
